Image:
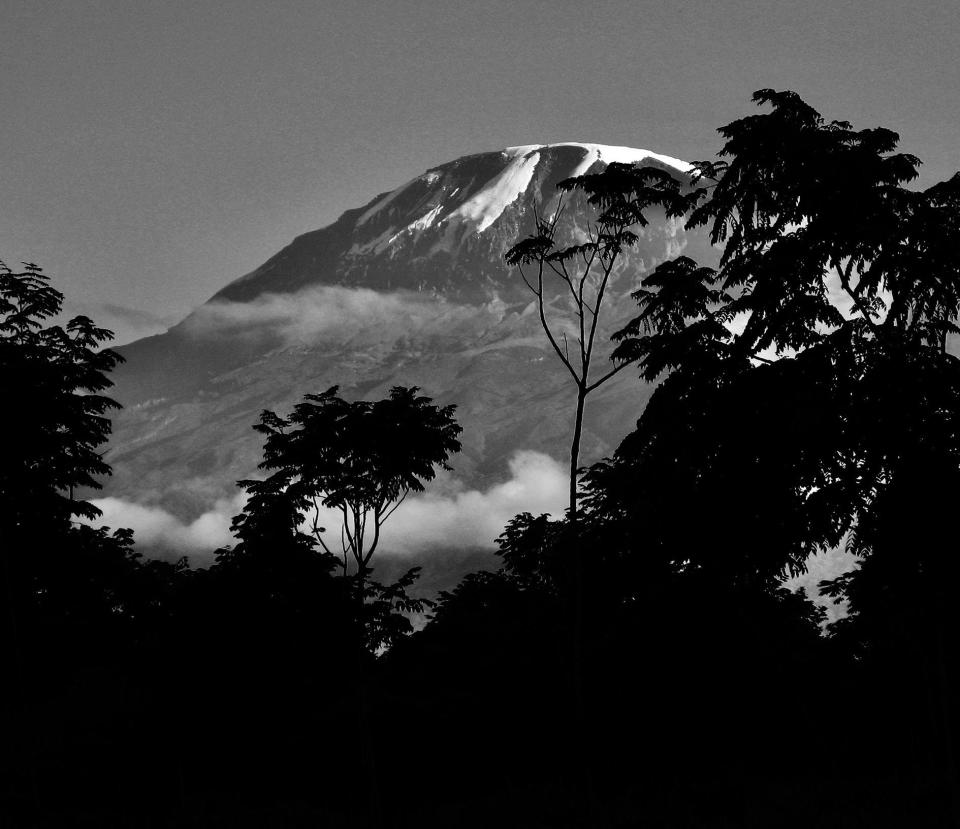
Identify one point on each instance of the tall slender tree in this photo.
(583, 268)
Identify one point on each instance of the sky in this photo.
(152, 151)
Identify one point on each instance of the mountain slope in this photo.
(410, 288)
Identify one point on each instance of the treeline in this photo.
(634, 663)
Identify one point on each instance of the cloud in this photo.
(446, 517)
(155, 527)
(329, 311)
(475, 518)
(461, 520)
(825, 566)
(137, 317)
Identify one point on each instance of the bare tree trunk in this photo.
(374, 805)
(580, 743)
(575, 448)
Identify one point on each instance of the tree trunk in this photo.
(367, 749)
(581, 742)
(575, 449)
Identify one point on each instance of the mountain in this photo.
(410, 288)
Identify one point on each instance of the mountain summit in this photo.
(444, 231)
(408, 289)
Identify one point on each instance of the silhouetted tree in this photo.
(275, 574)
(808, 397)
(58, 578)
(621, 194)
(830, 264)
(58, 420)
(359, 458)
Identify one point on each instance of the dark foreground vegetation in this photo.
(634, 664)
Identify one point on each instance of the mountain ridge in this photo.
(438, 213)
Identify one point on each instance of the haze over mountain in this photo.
(410, 288)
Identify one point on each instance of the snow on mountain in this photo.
(484, 207)
(621, 155)
(481, 209)
(446, 230)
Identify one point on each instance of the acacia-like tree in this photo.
(359, 458)
(583, 267)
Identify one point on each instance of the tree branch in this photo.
(615, 370)
(316, 526)
(393, 509)
(607, 269)
(546, 326)
(844, 274)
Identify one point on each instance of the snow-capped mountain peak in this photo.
(441, 230)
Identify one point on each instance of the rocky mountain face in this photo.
(409, 289)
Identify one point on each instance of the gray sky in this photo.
(153, 151)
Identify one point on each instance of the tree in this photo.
(57, 419)
(808, 395)
(55, 422)
(807, 210)
(358, 458)
(621, 194)
(58, 578)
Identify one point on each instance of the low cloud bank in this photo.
(454, 518)
(473, 518)
(155, 527)
(457, 520)
(328, 310)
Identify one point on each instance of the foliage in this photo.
(360, 458)
(59, 417)
(797, 450)
(388, 610)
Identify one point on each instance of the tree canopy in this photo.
(360, 458)
(58, 419)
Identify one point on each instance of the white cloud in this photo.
(445, 517)
(329, 311)
(154, 526)
(455, 520)
(825, 566)
(475, 518)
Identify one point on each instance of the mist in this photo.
(331, 311)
